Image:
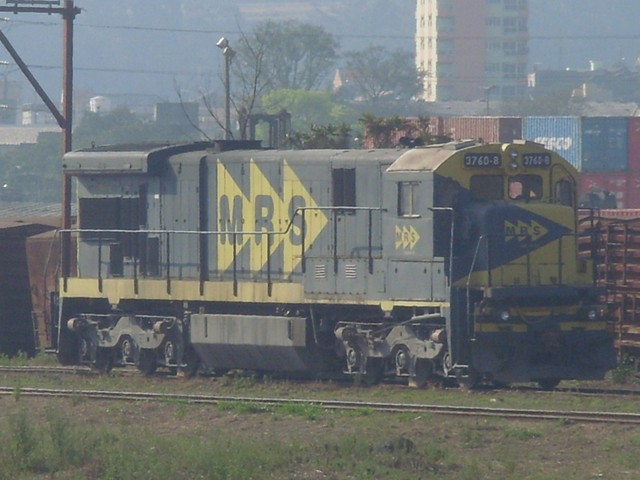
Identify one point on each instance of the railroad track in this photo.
(84, 370)
(575, 416)
(45, 369)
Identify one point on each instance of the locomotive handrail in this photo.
(300, 211)
(452, 236)
(370, 210)
(488, 237)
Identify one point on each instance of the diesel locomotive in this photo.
(454, 261)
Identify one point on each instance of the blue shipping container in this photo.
(560, 134)
(605, 144)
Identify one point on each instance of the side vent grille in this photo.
(320, 271)
(351, 272)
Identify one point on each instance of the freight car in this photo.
(612, 238)
(453, 261)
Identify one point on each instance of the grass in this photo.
(73, 438)
(107, 440)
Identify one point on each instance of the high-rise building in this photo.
(472, 49)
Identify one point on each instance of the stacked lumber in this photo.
(612, 239)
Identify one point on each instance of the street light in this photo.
(228, 53)
(487, 92)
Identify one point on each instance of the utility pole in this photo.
(65, 119)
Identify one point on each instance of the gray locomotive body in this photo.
(368, 262)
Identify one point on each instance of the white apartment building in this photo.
(472, 49)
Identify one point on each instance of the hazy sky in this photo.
(151, 47)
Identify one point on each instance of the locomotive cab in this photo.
(530, 306)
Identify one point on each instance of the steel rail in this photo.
(523, 414)
(86, 370)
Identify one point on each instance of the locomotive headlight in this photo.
(513, 159)
(505, 315)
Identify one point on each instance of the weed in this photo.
(625, 370)
(521, 433)
(308, 411)
(17, 392)
(472, 438)
(360, 412)
(242, 407)
(22, 441)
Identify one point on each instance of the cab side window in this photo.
(408, 199)
(563, 193)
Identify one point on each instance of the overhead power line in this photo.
(591, 36)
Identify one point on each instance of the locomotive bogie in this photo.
(411, 264)
(107, 340)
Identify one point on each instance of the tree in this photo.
(31, 172)
(378, 74)
(276, 55)
(298, 56)
(318, 136)
(122, 126)
(395, 131)
(308, 108)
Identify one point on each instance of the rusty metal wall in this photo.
(16, 326)
(43, 254)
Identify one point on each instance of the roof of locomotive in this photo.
(385, 156)
(428, 158)
(432, 157)
(141, 157)
(126, 157)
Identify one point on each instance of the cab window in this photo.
(525, 187)
(487, 187)
(564, 193)
(408, 199)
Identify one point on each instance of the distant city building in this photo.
(614, 84)
(472, 49)
(99, 104)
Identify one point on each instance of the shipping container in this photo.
(633, 145)
(604, 144)
(486, 129)
(605, 190)
(561, 134)
(633, 189)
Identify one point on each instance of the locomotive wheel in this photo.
(147, 361)
(104, 360)
(402, 359)
(127, 350)
(68, 358)
(469, 381)
(191, 363)
(423, 372)
(374, 372)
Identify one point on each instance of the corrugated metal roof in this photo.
(20, 135)
(29, 210)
